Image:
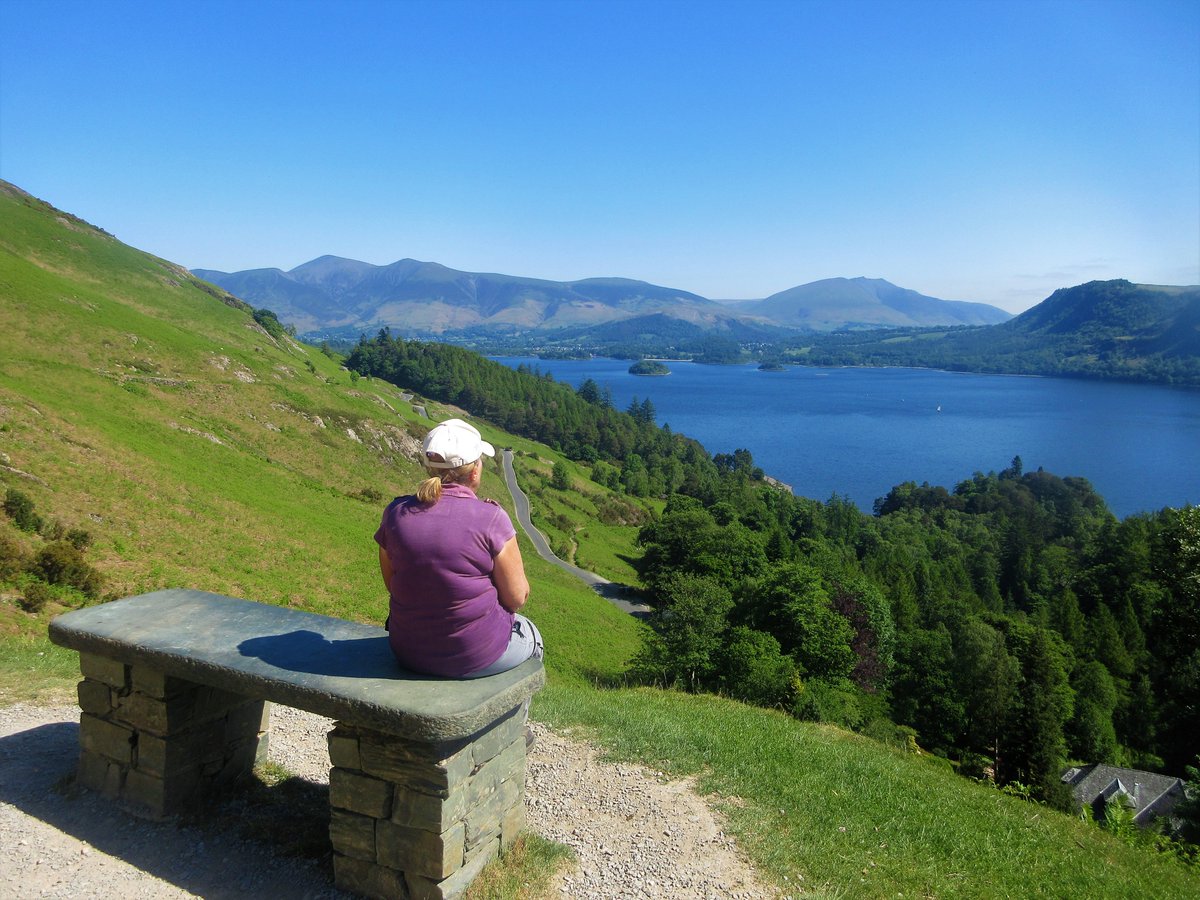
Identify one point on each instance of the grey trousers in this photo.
(525, 643)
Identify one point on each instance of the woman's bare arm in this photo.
(508, 573)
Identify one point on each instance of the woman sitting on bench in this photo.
(453, 569)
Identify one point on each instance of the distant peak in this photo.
(608, 279)
(329, 259)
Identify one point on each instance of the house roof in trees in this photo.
(1152, 795)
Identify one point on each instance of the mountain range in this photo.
(335, 297)
(1103, 329)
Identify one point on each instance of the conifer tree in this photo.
(1037, 747)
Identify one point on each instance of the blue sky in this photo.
(974, 150)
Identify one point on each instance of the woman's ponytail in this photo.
(430, 490)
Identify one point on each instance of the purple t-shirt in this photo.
(446, 617)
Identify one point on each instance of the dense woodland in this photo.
(627, 450)
(1011, 624)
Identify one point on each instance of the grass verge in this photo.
(525, 872)
(831, 813)
(34, 671)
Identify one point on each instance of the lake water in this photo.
(859, 432)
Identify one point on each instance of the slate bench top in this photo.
(344, 670)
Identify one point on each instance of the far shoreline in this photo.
(1065, 376)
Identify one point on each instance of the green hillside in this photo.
(196, 448)
(1102, 329)
(152, 411)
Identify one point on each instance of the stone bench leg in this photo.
(155, 743)
(421, 820)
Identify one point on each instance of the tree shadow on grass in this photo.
(624, 597)
(632, 560)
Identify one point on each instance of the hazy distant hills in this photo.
(839, 303)
(1102, 329)
(332, 296)
(331, 293)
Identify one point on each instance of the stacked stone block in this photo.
(420, 820)
(153, 742)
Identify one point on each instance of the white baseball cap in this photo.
(457, 443)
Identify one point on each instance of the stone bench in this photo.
(428, 776)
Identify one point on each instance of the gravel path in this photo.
(636, 835)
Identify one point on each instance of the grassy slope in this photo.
(199, 451)
(271, 514)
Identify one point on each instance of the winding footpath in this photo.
(610, 591)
